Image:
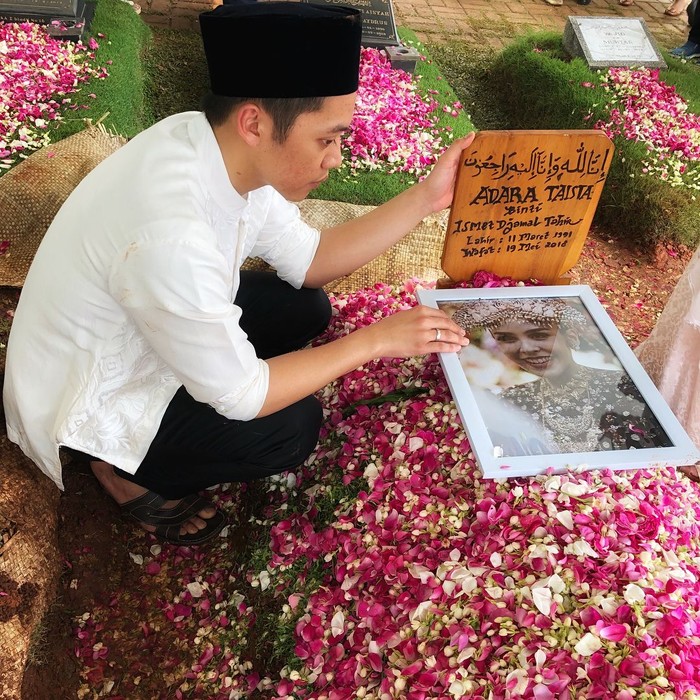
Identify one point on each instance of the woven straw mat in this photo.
(32, 192)
(418, 254)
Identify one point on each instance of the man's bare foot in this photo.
(123, 491)
(676, 8)
(692, 471)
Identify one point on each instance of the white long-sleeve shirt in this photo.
(130, 296)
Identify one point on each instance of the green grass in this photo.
(466, 69)
(120, 97)
(176, 70)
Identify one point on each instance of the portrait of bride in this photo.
(548, 383)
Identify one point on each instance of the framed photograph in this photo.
(548, 382)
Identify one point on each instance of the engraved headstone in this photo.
(63, 18)
(378, 23)
(523, 203)
(612, 41)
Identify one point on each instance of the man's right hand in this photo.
(417, 331)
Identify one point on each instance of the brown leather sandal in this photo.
(147, 509)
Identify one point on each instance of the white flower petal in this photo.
(577, 489)
(420, 572)
(566, 519)
(371, 472)
(338, 624)
(415, 443)
(456, 689)
(588, 644)
(521, 681)
(580, 548)
(349, 582)
(556, 583)
(542, 598)
(195, 589)
(634, 594)
(449, 587)
(421, 611)
(609, 605)
(469, 584)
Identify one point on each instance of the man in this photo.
(138, 342)
(691, 49)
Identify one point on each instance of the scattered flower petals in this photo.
(37, 72)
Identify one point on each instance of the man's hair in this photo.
(283, 111)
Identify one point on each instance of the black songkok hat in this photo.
(282, 49)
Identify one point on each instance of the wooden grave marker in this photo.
(523, 203)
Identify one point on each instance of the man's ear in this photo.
(249, 123)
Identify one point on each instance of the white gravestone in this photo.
(612, 41)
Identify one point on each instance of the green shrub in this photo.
(538, 87)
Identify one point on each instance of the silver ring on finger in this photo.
(438, 335)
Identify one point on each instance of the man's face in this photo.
(311, 149)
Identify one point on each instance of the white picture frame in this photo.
(557, 395)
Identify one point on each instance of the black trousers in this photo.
(694, 22)
(196, 447)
